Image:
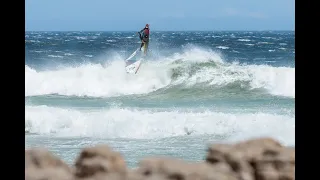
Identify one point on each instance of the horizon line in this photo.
(151, 30)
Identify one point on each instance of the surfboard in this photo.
(132, 66)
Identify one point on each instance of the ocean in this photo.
(193, 89)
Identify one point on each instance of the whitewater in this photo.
(107, 80)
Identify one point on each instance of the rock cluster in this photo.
(255, 159)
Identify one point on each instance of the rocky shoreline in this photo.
(254, 159)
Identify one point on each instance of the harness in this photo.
(146, 35)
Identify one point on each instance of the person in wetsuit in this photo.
(144, 36)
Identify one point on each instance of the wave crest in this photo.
(193, 68)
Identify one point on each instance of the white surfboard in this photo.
(132, 67)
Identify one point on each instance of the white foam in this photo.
(222, 47)
(276, 80)
(112, 80)
(245, 40)
(196, 55)
(143, 124)
(81, 38)
(265, 43)
(93, 80)
(55, 56)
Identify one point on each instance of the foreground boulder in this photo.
(41, 164)
(255, 159)
(100, 161)
(174, 169)
(263, 159)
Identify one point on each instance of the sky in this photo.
(162, 15)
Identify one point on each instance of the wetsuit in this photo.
(144, 36)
